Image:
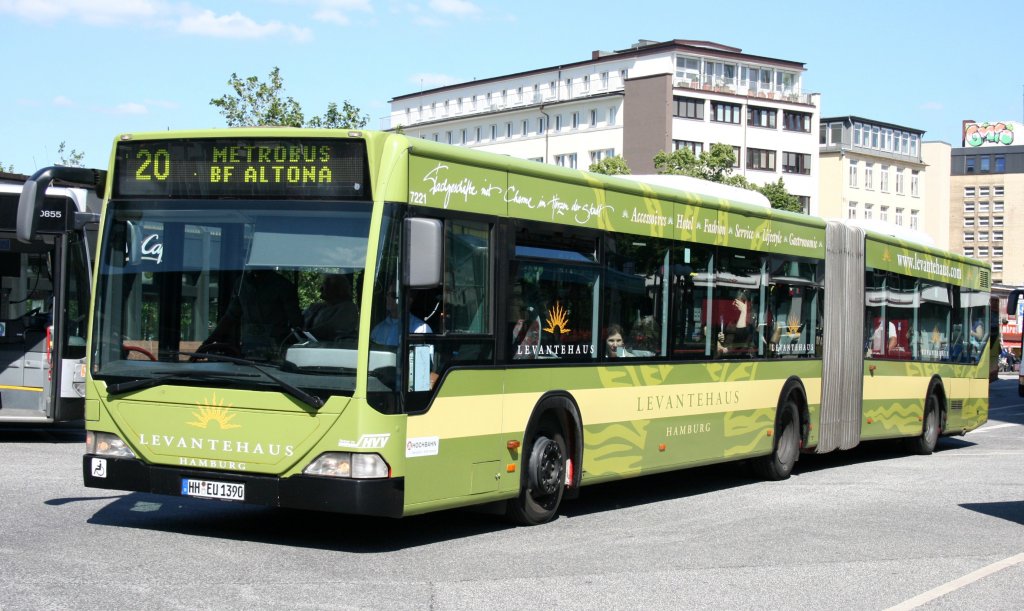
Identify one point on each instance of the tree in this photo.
(780, 198)
(255, 103)
(6, 168)
(68, 158)
(610, 166)
(716, 164)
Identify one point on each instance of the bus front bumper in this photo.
(374, 497)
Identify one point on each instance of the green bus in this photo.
(367, 323)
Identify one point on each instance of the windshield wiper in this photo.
(130, 385)
(311, 400)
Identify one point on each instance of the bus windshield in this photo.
(183, 284)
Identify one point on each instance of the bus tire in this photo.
(1020, 389)
(786, 446)
(543, 479)
(925, 443)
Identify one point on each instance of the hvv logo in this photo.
(377, 441)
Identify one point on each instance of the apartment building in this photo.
(872, 171)
(987, 197)
(652, 97)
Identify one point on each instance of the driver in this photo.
(263, 311)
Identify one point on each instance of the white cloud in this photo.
(429, 81)
(237, 25)
(165, 104)
(63, 102)
(131, 108)
(337, 11)
(931, 106)
(462, 8)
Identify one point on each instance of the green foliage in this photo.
(6, 168)
(347, 118)
(610, 166)
(716, 164)
(70, 158)
(780, 198)
(255, 103)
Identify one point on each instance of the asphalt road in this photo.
(872, 528)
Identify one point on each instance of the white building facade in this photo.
(652, 97)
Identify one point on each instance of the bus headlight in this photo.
(350, 465)
(106, 444)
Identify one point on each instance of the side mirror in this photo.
(33, 194)
(424, 253)
(1012, 300)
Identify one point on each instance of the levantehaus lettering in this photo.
(553, 350)
(653, 403)
(215, 445)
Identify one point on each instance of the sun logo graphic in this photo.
(213, 411)
(557, 320)
(886, 255)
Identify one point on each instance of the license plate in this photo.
(228, 491)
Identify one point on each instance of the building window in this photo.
(593, 118)
(986, 162)
(1000, 163)
(997, 221)
(465, 137)
(724, 112)
(796, 121)
(997, 267)
(542, 125)
(983, 221)
(997, 191)
(983, 236)
(558, 123)
(883, 214)
(997, 251)
(899, 182)
(969, 222)
(869, 175)
(761, 117)
(796, 163)
(508, 129)
(851, 210)
(613, 114)
(835, 135)
(998, 206)
(478, 135)
(968, 165)
(604, 80)
(853, 173)
(997, 235)
(695, 147)
(913, 219)
(760, 159)
(968, 191)
(494, 132)
(525, 128)
(566, 161)
(983, 251)
(448, 138)
(983, 207)
(736, 156)
(884, 178)
(869, 211)
(805, 203)
(689, 108)
(983, 191)
(575, 120)
(586, 83)
(596, 156)
(968, 251)
(968, 236)
(899, 216)
(856, 134)
(915, 183)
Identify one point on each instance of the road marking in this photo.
(956, 584)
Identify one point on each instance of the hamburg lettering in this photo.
(688, 429)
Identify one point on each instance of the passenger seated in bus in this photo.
(336, 317)
(615, 347)
(260, 317)
(736, 325)
(978, 337)
(878, 344)
(387, 331)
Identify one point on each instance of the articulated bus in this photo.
(366, 323)
(44, 304)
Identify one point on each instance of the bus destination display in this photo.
(250, 168)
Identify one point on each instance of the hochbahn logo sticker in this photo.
(422, 446)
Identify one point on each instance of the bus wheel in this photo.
(544, 483)
(779, 464)
(925, 443)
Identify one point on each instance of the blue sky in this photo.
(82, 71)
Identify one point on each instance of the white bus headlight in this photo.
(106, 444)
(347, 464)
